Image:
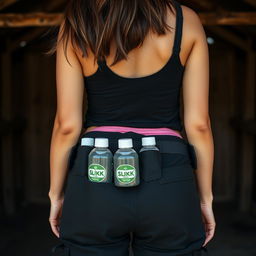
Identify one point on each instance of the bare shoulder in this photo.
(193, 27)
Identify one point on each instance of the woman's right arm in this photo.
(196, 114)
(67, 124)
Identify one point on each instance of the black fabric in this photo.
(79, 159)
(60, 250)
(192, 155)
(150, 161)
(151, 101)
(162, 213)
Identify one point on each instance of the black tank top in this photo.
(151, 101)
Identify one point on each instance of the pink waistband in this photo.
(144, 131)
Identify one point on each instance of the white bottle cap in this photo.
(125, 143)
(148, 141)
(101, 142)
(87, 142)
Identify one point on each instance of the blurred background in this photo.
(28, 104)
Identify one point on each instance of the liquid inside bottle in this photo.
(126, 164)
(100, 162)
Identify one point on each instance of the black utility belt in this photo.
(152, 164)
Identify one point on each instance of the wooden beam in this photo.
(30, 19)
(6, 3)
(228, 18)
(34, 32)
(219, 16)
(54, 19)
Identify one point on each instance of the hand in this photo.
(209, 221)
(55, 215)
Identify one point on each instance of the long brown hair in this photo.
(97, 23)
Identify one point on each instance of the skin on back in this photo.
(159, 48)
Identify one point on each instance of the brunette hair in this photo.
(97, 23)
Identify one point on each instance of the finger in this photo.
(208, 238)
(209, 234)
(55, 229)
(55, 226)
(205, 242)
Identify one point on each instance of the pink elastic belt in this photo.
(144, 131)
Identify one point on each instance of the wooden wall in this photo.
(40, 104)
(224, 105)
(30, 83)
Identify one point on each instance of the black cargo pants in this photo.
(162, 215)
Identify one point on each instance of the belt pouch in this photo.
(150, 165)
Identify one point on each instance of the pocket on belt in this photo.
(150, 165)
(175, 161)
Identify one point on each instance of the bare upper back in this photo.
(155, 51)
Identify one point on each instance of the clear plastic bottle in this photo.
(150, 160)
(100, 162)
(88, 142)
(148, 143)
(126, 164)
(87, 145)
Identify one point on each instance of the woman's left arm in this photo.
(67, 125)
(196, 115)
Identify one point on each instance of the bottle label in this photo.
(125, 173)
(97, 172)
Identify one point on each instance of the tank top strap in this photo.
(178, 29)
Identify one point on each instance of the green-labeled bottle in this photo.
(126, 164)
(100, 162)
